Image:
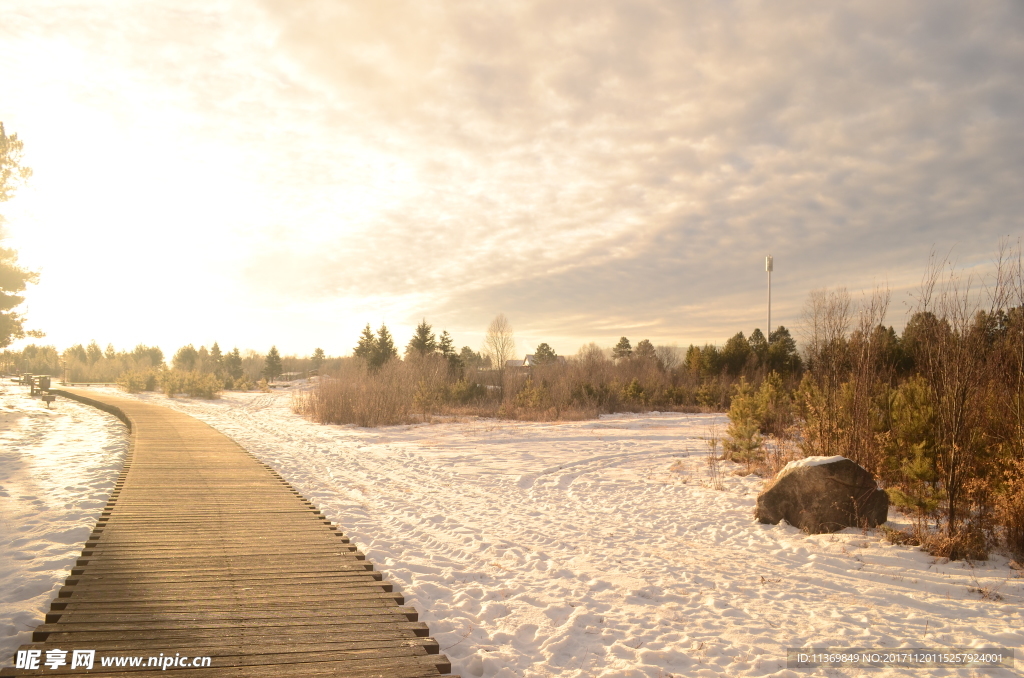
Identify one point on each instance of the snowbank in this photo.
(57, 468)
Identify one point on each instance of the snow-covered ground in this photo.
(574, 549)
(57, 468)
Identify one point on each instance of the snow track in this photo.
(570, 549)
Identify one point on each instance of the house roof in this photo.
(531, 359)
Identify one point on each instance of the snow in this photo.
(809, 461)
(600, 548)
(57, 468)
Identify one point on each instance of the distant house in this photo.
(530, 360)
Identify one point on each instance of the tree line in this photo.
(936, 412)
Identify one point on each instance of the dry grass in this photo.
(357, 395)
(414, 390)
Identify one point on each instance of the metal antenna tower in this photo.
(768, 267)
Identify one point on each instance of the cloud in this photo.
(579, 164)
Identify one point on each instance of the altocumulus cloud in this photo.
(587, 167)
(573, 162)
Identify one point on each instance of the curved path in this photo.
(203, 551)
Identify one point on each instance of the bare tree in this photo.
(670, 356)
(500, 342)
(826, 322)
(865, 380)
(950, 359)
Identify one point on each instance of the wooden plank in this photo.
(349, 630)
(203, 546)
(297, 573)
(100, 586)
(268, 644)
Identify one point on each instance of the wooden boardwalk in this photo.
(203, 551)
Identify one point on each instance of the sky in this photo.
(283, 172)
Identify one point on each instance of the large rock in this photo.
(823, 494)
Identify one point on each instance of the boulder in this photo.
(823, 494)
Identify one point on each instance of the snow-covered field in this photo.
(57, 468)
(572, 549)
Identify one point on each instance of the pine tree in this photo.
(446, 345)
(385, 347)
(367, 346)
(423, 341)
(11, 171)
(622, 349)
(272, 367)
(470, 358)
(153, 354)
(13, 278)
(645, 350)
(93, 352)
(544, 354)
(233, 364)
(185, 359)
(758, 344)
(782, 353)
(216, 359)
(318, 358)
(735, 353)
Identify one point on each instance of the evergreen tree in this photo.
(216, 359)
(185, 359)
(93, 352)
(446, 345)
(645, 351)
(272, 367)
(233, 364)
(141, 352)
(692, 360)
(544, 354)
(623, 349)
(367, 346)
(385, 347)
(735, 353)
(743, 438)
(423, 341)
(11, 171)
(318, 358)
(782, 353)
(758, 344)
(13, 278)
(471, 359)
(76, 352)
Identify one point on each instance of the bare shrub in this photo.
(1010, 509)
(357, 395)
(778, 452)
(712, 457)
(965, 543)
